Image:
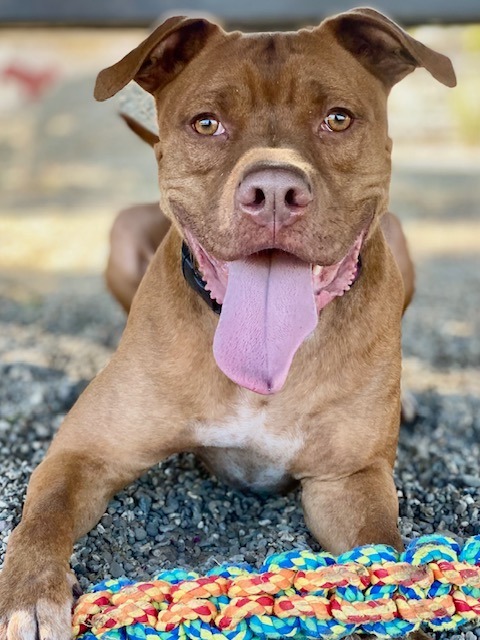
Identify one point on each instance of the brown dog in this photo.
(274, 167)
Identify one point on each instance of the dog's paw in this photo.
(42, 621)
(40, 611)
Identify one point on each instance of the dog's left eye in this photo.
(336, 120)
(207, 125)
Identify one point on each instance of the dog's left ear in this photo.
(385, 49)
(159, 58)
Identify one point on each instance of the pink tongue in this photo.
(268, 311)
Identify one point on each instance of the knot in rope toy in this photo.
(373, 589)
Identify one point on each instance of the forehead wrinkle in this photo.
(271, 84)
(265, 78)
(323, 93)
(223, 98)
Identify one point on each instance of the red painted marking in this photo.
(33, 82)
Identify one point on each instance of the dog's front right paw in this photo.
(36, 606)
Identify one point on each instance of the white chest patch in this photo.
(269, 448)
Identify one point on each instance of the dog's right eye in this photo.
(337, 120)
(207, 125)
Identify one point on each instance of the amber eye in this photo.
(337, 120)
(207, 125)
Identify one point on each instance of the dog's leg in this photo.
(358, 509)
(111, 436)
(135, 236)
(397, 242)
(352, 511)
(67, 495)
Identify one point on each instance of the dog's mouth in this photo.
(270, 301)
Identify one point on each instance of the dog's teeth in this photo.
(316, 270)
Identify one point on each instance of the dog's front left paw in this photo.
(38, 607)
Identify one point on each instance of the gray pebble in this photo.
(471, 481)
(140, 534)
(152, 529)
(116, 570)
(107, 520)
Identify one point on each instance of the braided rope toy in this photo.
(373, 589)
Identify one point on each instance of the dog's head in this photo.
(273, 150)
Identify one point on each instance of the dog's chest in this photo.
(247, 449)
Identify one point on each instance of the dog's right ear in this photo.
(159, 58)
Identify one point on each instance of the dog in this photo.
(277, 279)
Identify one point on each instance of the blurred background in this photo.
(68, 164)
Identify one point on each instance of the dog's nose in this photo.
(274, 196)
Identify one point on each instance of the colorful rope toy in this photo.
(373, 589)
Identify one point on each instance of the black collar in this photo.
(194, 278)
